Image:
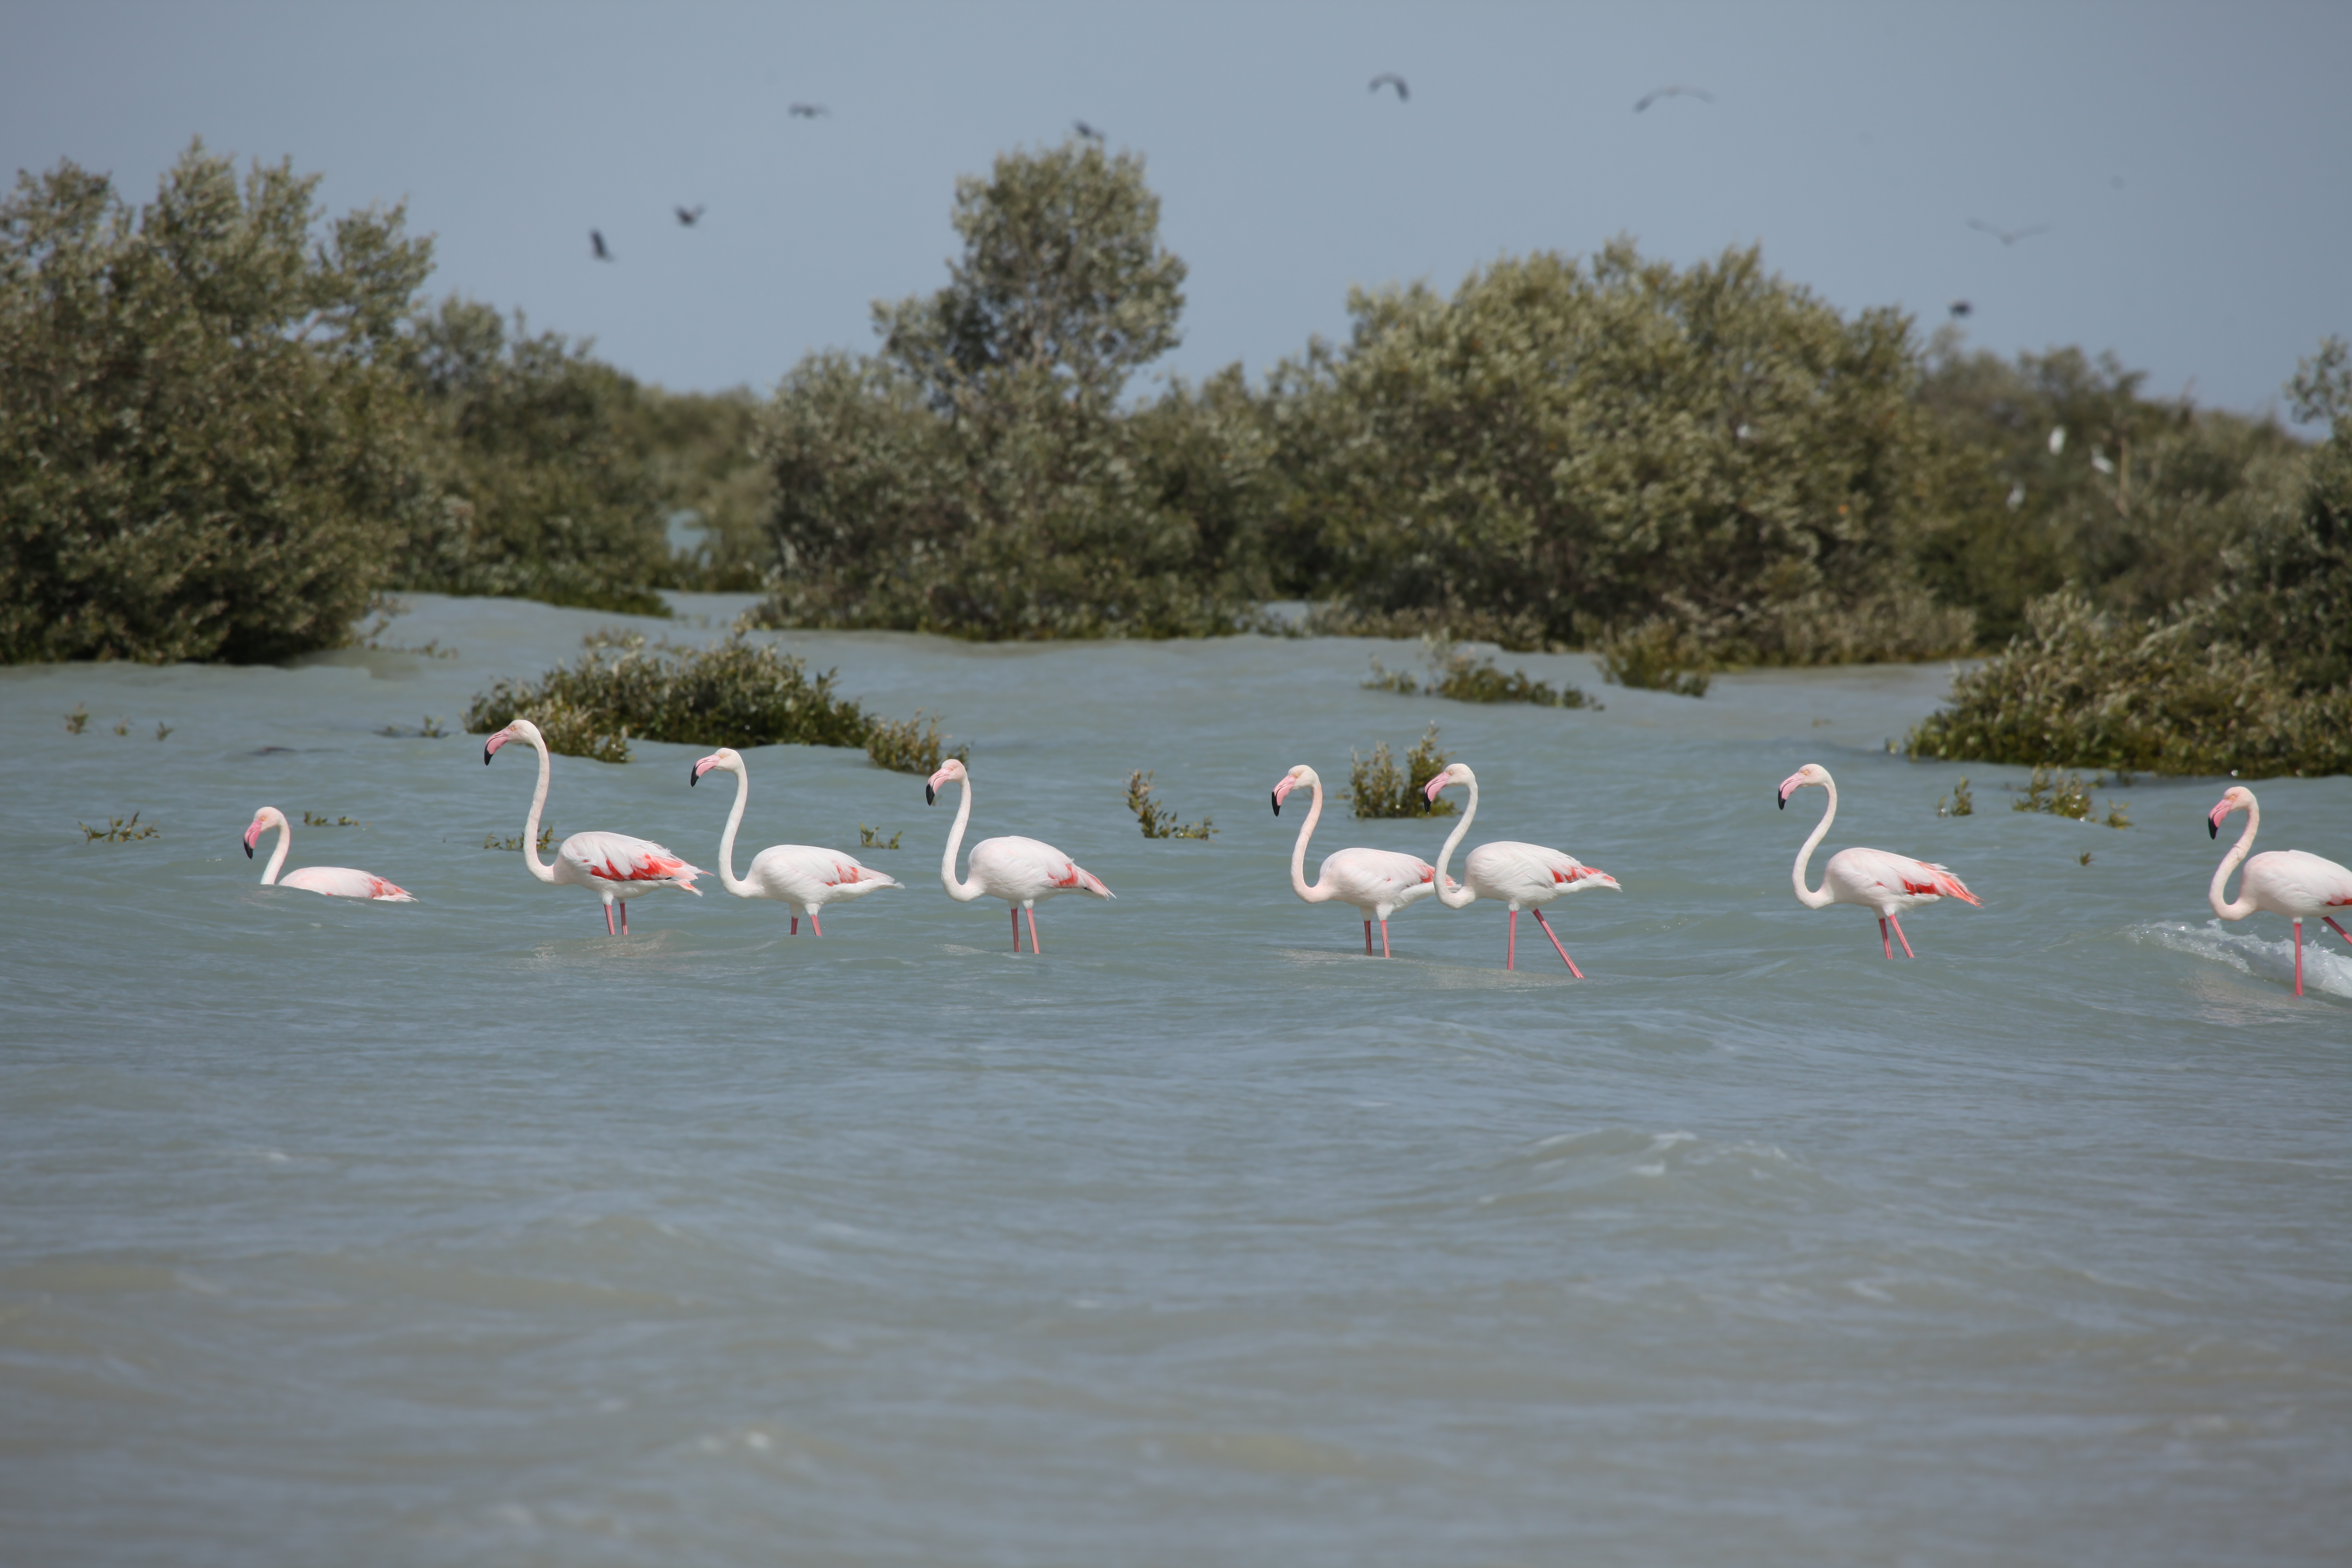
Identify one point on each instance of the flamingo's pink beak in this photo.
(251, 833)
(932, 786)
(490, 747)
(1282, 790)
(1433, 785)
(700, 768)
(2213, 817)
(1790, 787)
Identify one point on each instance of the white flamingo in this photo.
(803, 880)
(613, 866)
(335, 881)
(1380, 882)
(1510, 873)
(1021, 872)
(1890, 885)
(2280, 881)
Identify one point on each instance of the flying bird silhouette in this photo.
(2007, 235)
(1960, 310)
(1086, 131)
(1391, 79)
(596, 244)
(690, 216)
(1676, 92)
(806, 111)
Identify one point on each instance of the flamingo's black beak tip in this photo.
(693, 775)
(1782, 800)
(248, 851)
(1278, 806)
(2212, 831)
(930, 795)
(486, 755)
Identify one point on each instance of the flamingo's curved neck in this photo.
(1456, 897)
(544, 871)
(2229, 862)
(1805, 896)
(1318, 894)
(278, 855)
(963, 892)
(727, 877)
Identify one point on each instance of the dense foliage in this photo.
(1456, 673)
(1564, 449)
(737, 693)
(203, 454)
(1377, 786)
(2253, 678)
(979, 477)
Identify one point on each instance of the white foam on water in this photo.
(2327, 965)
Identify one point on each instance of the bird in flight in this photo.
(2007, 235)
(689, 217)
(1960, 310)
(807, 111)
(1086, 131)
(1391, 79)
(596, 244)
(1653, 96)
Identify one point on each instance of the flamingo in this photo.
(617, 867)
(1021, 872)
(1514, 873)
(335, 881)
(1378, 881)
(800, 878)
(1890, 884)
(2283, 882)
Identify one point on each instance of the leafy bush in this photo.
(2069, 797)
(737, 693)
(541, 491)
(1960, 803)
(910, 746)
(1659, 655)
(1157, 820)
(1377, 787)
(1457, 674)
(203, 452)
(979, 477)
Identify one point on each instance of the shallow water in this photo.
(459, 1233)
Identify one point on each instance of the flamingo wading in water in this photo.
(335, 881)
(1380, 882)
(1510, 873)
(803, 880)
(1021, 872)
(613, 866)
(2283, 882)
(1892, 885)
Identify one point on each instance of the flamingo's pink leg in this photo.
(1385, 940)
(1033, 931)
(1901, 938)
(608, 919)
(1367, 936)
(1511, 949)
(1556, 947)
(1014, 912)
(796, 925)
(2339, 930)
(814, 925)
(2298, 958)
(1882, 937)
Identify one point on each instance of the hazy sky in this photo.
(2190, 162)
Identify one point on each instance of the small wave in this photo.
(2324, 968)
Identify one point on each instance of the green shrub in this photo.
(1457, 674)
(1659, 655)
(2069, 797)
(1157, 820)
(203, 452)
(1377, 787)
(910, 746)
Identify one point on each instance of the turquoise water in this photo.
(457, 1232)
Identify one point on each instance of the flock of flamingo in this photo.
(1025, 872)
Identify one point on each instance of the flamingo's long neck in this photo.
(2228, 912)
(727, 877)
(1318, 894)
(963, 892)
(1461, 896)
(1806, 897)
(278, 856)
(544, 871)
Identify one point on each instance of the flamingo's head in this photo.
(520, 730)
(1811, 773)
(950, 772)
(268, 817)
(1452, 774)
(1301, 774)
(2237, 798)
(724, 757)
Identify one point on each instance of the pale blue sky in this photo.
(1853, 142)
